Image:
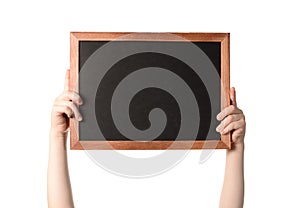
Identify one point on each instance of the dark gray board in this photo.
(148, 98)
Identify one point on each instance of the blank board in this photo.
(149, 90)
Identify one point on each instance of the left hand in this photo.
(64, 108)
(232, 119)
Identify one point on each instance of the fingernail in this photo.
(219, 128)
(79, 118)
(219, 117)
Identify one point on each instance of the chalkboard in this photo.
(149, 90)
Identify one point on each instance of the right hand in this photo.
(233, 120)
(64, 108)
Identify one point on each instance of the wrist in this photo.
(238, 147)
(58, 135)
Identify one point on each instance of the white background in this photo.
(34, 53)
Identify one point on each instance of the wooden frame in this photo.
(222, 38)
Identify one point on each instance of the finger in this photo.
(67, 80)
(70, 96)
(233, 96)
(73, 107)
(229, 119)
(238, 133)
(232, 109)
(60, 109)
(233, 126)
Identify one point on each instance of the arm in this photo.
(233, 120)
(59, 190)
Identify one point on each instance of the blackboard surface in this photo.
(211, 49)
(149, 98)
(152, 92)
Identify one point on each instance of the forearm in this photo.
(58, 181)
(233, 186)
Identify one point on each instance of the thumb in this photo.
(67, 80)
(233, 96)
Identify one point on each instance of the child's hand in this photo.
(233, 120)
(64, 108)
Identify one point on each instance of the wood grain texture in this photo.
(163, 36)
(223, 38)
(74, 65)
(225, 81)
(148, 145)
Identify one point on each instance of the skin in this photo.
(233, 120)
(65, 107)
(59, 190)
